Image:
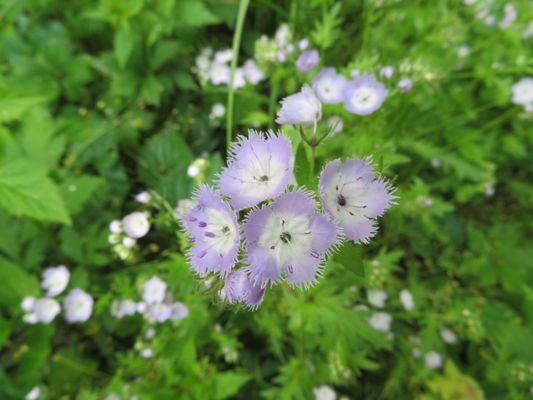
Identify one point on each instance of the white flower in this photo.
(46, 310)
(33, 394)
(136, 224)
(147, 353)
(219, 73)
(150, 333)
(302, 108)
(223, 56)
(433, 360)
(154, 290)
(463, 51)
(376, 297)
(509, 16)
(193, 171)
(123, 308)
(380, 321)
(28, 303)
(115, 227)
(303, 44)
(283, 35)
(179, 310)
(143, 197)
(435, 163)
(324, 392)
(217, 111)
(523, 92)
(141, 307)
(128, 242)
(329, 86)
(78, 306)
(55, 280)
(252, 73)
(448, 336)
(387, 71)
(160, 312)
(406, 298)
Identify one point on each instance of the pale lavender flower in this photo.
(364, 95)
(252, 72)
(259, 168)
(329, 86)
(307, 60)
(136, 224)
(115, 227)
(433, 360)
(78, 306)
(405, 85)
(380, 321)
(353, 195)
(302, 108)
(239, 288)
(239, 80)
(303, 44)
(448, 336)
(123, 308)
(387, 71)
(45, 310)
(143, 197)
(179, 310)
(219, 73)
(213, 227)
(33, 394)
(223, 56)
(288, 237)
(55, 280)
(154, 290)
(160, 312)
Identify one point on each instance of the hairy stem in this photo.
(243, 6)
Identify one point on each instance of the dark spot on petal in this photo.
(210, 234)
(341, 200)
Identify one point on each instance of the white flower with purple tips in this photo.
(302, 108)
(364, 95)
(329, 86)
(259, 168)
(353, 195)
(308, 60)
(288, 237)
(212, 224)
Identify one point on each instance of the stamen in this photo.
(210, 234)
(202, 224)
(315, 254)
(289, 267)
(285, 237)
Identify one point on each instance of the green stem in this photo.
(243, 6)
(313, 143)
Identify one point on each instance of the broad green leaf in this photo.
(195, 13)
(123, 43)
(13, 106)
(227, 384)
(76, 191)
(25, 190)
(16, 284)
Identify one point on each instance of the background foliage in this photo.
(98, 102)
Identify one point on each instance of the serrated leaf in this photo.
(25, 190)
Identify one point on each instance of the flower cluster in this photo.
(523, 93)
(214, 67)
(125, 233)
(283, 235)
(156, 304)
(78, 304)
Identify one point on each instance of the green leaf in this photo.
(76, 191)
(13, 106)
(16, 284)
(227, 384)
(350, 256)
(302, 168)
(151, 90)
(195, 13)
(123, 43)
(26, 190)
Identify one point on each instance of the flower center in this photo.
(225, 229)
(285, 237)
(264, 178)
(341, 200)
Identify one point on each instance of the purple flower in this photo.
(239, 288)
(329, 86)
(259, 168)
(354, 197)
(364, 95)
(302, 108)
(213, 227)
(405, 85)
(308, 60)
(288, 237)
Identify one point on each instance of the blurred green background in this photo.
(99, 100)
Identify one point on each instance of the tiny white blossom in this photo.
(78, 306)
(380, 321)
(128, 242)
(160, 312)
(147, 353)
(136, 224)
(433, 360)
(154, 290)
(217, 111)
(179, 310)
(303, 44)
(33, 394)
(219, 73)
(143, 197)
(115, 227)
(141, 307)
(223, 56)
(376, 297)
(324, 392)
(28, 303)
(523, 92)
(55, 280)
(252, 73)
(123, 308)
(46, 309)
(448, 336)
(193, 171)
(150, 333)
(406, 298)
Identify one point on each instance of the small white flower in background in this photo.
(197, 167)
(490, 20)
(136, 224)
(523, 92)
(528, 32)
(217, 111)
(283, 35)
(448, 336)
(28, 303)
(324, 392)
(30, 318)
(147, 353)
(33, 394)
(406, 298)
(179, 310)
(490, 190)
(509, 16)
(219, 74)
(405, 85)
(302, 108)
(46, 310)
(113, 238)
(380, 321)
(416, 352)
(154, 290)
(113, 396)
(238, 79)
(150, 333)
(128, 242)
(160, 312)
(78, 306)
(223, 56)
(435, 163)
(141, 307)
(336, 124)
(463, 51)
(143, 197)
(123, 308)
(433, 360)
(252, 73)
(183, 207)
(386, 72)
(376, 297)
(303, 44)
(115, 227)
(55, 280)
